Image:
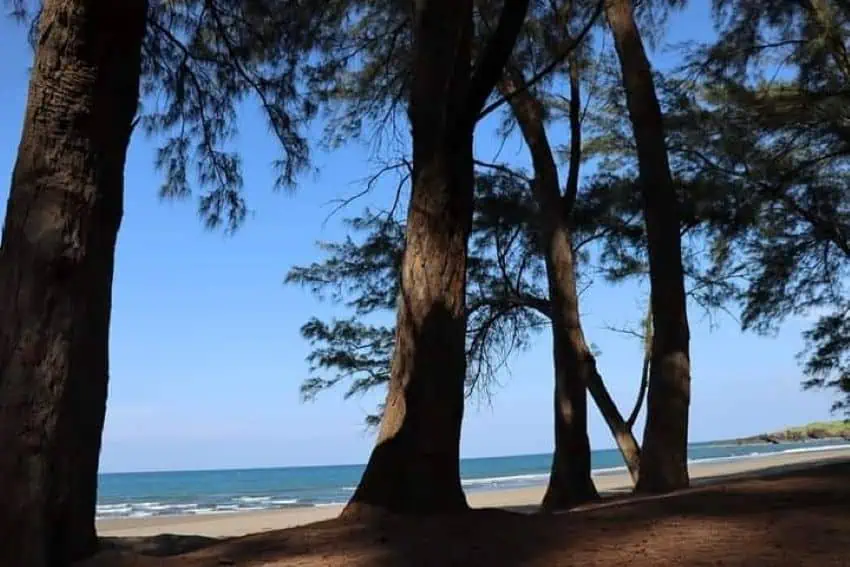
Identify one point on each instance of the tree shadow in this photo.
(799, 518)
(161, 545)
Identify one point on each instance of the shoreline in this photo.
(523, 499)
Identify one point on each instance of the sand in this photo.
(520, 500)
(774, 511)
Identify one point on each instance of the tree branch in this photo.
(566, 50)
(488, 67)
(571, 190)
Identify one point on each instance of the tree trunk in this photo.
(415, 466)
(56, 264)
(664, 459)
(570, 482)
(644, 373)
(620, 429)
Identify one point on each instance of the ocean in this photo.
(136, 495)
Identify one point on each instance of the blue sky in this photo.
(205, 352)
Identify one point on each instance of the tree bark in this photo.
(620, 429)
(644, 373)
(570, 481)
(664, 459)
(414, 469)
(56, 264)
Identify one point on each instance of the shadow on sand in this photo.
(800, 517)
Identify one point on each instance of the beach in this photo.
(522, 499)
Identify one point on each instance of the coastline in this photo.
(521, 499)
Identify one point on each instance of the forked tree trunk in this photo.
(623, 430)
(620, 429)
(414, 469)
(575, 366)
(664, 458)
(56, 264)
(570, 481)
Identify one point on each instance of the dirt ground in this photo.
(799, 518)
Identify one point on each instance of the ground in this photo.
(797, 518)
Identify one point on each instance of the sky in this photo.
(206, 357)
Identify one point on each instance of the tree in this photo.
(414, 467)
(570, 482)
(783, 70)
(64, 210)
(757, 132)
(664, 459)
(352, 349)
(363, 275)
(506, 303)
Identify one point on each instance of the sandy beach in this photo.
(230, 525)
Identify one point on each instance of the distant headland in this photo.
(839, 429)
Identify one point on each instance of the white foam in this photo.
(496, 480)
(113, 508)
(608, 470)
(140, 514)
(265, 502)
(254, 498)
(818, 448)
(156, 507)
(205, 511)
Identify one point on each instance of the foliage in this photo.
(758, 141)
(507, 295)
(781, 79)
(505, 304)
(201, 61)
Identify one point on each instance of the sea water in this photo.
(122, 495)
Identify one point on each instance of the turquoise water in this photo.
(220, 491)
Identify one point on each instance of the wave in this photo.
(608, 470)
(250, 499)
(818, 448)
(541, 478)
(762, 454)
(237, 504)
(208, 503)
(508, 479)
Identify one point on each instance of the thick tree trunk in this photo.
(664, 459)
(415, 466)
(56, 263)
